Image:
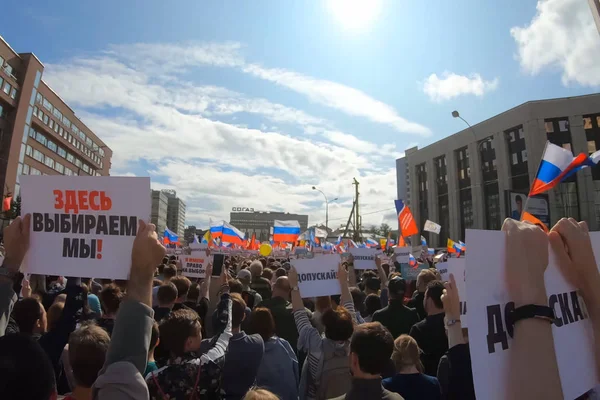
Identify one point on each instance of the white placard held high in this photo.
(431, 226)
(194, 266)
(318, 276)
(402, 254)
(83, 226)
(489, 304)
(364, 258)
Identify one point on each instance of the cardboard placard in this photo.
(488, 306)
(402, 254)
(195, 266)
(83, 226)
(318, 276)
(364, 258)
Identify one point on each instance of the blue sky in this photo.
(250, 103)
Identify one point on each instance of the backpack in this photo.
(249, 296)
(335, 379)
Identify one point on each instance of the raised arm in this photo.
(308, 336)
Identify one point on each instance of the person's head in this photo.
(183, 286)
(26, 371)
(396, 288)
(338, 324)
(180, 332)
(372, 304)
(110, 300)
(165, 260)
(166, 295)
(87, 352)
(323, 303)
(519, 202)
(372, 285)
(194, 292)
(358, 298)
(370, 349)
(280, 272)
(433, 298)
(259, 394)
(406, 354)
(245, 276)
(423, 279)
(238, 310)
(154, 338)
(54, 313)
(256, 269)
(262, 322)
(267, 274)
(282, 288)
(169, 272)
(235, 286)
(30, 316)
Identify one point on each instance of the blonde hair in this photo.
(406, 353)
(259, 394)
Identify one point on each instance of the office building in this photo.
(477, 177)
(39, 133)
(403, 180)
(190, 231)
(175, 213)
(160, 203)
(261, 222)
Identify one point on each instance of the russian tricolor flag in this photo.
(216, 229)
(286, 231)
(230, 234)
(170, 237)
(372, 243)
(412, 261)
(557, 165)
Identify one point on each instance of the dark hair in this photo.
(262, 322)
(167, 293)
(54, 313)
(434, 292)
(25, 313)
(358, 298)
(162, 266)
(87, 352)
(169, 271)
(25, 371)
(238, 309)
(372, 304)
(267, 273)
(154, 336)
(110, 299)
(182, 284)
(280, 272)
(235, 286)
(518, 199)
(338, 323)
(165, 260)
(373, 345)
(177, 327)
(194, 292)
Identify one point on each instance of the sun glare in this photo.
(355, 14)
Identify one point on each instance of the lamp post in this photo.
(326, 208)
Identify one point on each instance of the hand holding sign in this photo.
(16, 240)
(147, 251)
(526, 261)
(342, 274)
(451, 300)
(293, 277)
(571, 243)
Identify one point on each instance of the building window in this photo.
(41, 138)
(35, 111)
(32, 133)
(519, 173)
(62, 152)
(13, 93)
(466, 211)
(423, 188)
(490, 181)
(59, 167)
(34, 171)
(68, 171)
(49, 162)
(38, 97)
(441, 178)
(7, 87)
(70, 158)
(45, 119)
(52, 146)
(86, 168)
(38, 156)
(25, 169)
(66, 122)
(60, 130)
(51, 124)
(56, 127)
(28, 150)
(78, 162)
(47, 105)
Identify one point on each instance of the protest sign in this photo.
(402, 254)
(490, 336)
(431, 226)
(198, 246)
(194, 266)
(456, 267)
(83, 226)
(318, 276)
(411, 273)
(364, 258)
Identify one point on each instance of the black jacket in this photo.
(396, 317)
(417, 303)
(430, 335)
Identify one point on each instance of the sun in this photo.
(355, 14)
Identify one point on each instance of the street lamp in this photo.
(326, 208)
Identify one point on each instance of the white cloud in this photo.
(451, 85)
(561, 36)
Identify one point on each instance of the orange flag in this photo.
(401, 242)
(525, 216)
(6, 203)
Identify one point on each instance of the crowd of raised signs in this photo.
(250, 332)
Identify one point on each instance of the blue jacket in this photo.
(278, 371)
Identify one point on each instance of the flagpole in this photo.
(535, 176)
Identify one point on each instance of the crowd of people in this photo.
(248, 333)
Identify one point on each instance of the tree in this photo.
(384, 229)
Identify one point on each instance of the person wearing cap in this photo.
(396, 317)
(245, 277)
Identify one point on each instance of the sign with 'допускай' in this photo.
(83, 226)
(364, 258)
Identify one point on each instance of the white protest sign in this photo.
(456, 267)
(83, 226)
(364, 258)
(431, 226)
(402, 254)
(489, 336)
(318, 276)
(198, 246)
(194, 266)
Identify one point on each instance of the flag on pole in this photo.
(230, 234)
(372, 243)
(170, 237)
(525, 216)
(216, 229)
(401, 242)
(6, 203)
(206, 238)
(408, 226)
(431, 226)
(431, 251)
(557, 165)
(453, 247)
(412, 261)
(286, 231)
(253, 245)
(195, 240)
(423, 241)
